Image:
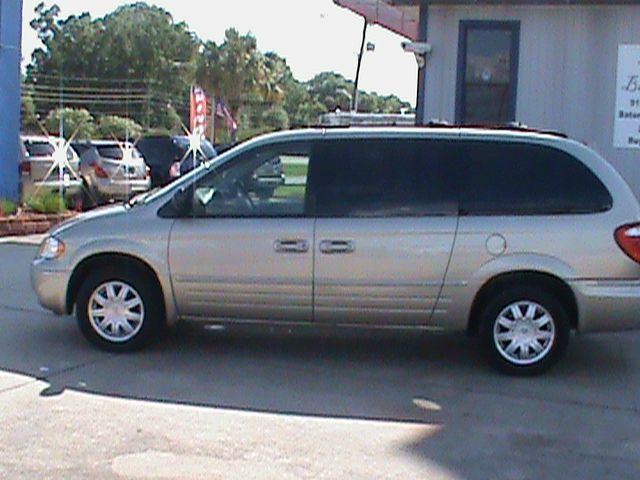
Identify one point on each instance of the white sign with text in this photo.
(627, 123)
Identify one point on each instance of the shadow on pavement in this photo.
(578, 421)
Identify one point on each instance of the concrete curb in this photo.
(23, 239)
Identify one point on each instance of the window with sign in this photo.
(487, 72)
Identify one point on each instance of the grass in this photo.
(294, 170)
(288, 191)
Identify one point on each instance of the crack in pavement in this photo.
(11, 308)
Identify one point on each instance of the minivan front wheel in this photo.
(117, 311)
(525, 330)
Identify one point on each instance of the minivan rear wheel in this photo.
(118, 311)
(525, 330)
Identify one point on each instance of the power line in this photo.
(52, 88)
(36, 76)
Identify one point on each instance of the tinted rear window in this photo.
(377, 178)
(114, 152)
(39, 149)
(183, 144)
(524, 179)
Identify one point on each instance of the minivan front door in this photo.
(245, 251)
(385, 232)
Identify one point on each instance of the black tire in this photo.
(552, 350)
(88, 198)
(153, 320)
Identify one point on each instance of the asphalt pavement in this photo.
(217, 404)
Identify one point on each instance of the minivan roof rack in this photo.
(512, 126)
(437, 123)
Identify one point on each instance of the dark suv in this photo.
(169, 156)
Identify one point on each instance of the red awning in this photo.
(402, 19)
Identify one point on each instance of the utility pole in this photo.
(354, 97)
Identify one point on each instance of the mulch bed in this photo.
(27, 223)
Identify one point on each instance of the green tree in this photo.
(230, 70)
(78, 123)
(275, 118)
(111, 126)
(29, 117)
(135, 60)
(334, 91)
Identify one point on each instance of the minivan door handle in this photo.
(291, 246)
(331, 247)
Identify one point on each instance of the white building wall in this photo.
(567, 69)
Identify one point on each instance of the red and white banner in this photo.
(199, 111)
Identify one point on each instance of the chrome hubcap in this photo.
(524, 333)
(116, 311)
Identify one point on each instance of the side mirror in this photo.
(204, 195)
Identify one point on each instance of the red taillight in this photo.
(100, 172)
(148, 170)
(25, 168)
(628, 238)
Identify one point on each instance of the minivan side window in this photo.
(381, 178)
(504, 178)
(267, 181)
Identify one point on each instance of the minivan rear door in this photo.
(386, 223)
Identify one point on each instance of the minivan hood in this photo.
(98, 213)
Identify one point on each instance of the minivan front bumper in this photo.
(50, 286)
(607, 305)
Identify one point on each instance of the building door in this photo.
(487, 72)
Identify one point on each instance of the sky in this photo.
(313, 35)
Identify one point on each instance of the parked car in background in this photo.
(517, 237)
(169, 156)
(43, 169)
(111, 171)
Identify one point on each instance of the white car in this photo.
(48, 164)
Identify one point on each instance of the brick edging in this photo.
(31, 223)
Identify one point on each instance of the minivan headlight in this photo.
(51, 248)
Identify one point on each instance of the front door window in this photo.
(266, 182)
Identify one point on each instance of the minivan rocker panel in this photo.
(498, 257)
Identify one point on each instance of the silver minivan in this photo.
(111, 170)
(516, 237)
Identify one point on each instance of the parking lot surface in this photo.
(217, 404)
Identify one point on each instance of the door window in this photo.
(487, 72)
(522, 179)
(382, 178)
(268, 181)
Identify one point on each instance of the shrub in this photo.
(50, 202)
(118, 127)
(76, 121)
(7, 207)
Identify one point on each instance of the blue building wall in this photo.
(10, 40)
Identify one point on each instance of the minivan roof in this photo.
(426, 131)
